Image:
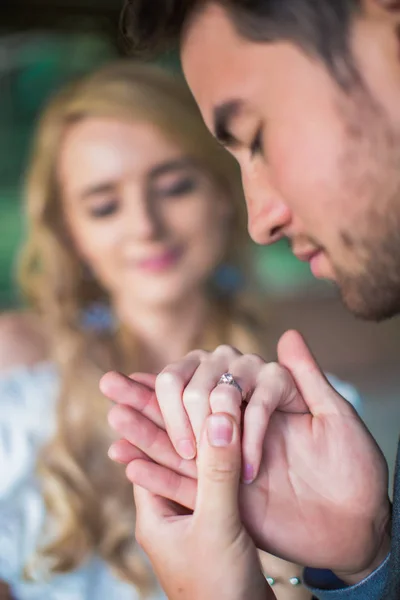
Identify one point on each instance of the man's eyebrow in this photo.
(223, 116)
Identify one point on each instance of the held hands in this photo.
(320, 493)
(206, 555)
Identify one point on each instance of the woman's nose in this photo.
(144, 218)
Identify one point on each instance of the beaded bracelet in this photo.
(292, 580)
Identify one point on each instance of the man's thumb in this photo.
(318, 394)
(219, 470)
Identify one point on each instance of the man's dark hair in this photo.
(318, 27)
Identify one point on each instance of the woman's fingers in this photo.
(197, 397)
(183, 392)
(150, 439)
(170, 386)
(244, 370)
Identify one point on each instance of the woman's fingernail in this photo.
(219, 430)
(186, 449)
(248, 474)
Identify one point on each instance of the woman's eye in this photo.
(104, 210)
(181, 188)
(256, 147)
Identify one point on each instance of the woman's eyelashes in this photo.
(182, 187)
(105, 209)
(108, 208)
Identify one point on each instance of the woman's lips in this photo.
(160, 262)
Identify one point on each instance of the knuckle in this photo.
(200, 355)
(224, 471)
(256, 359)
(223, 393)
(227, 350)
(193, 396)
(169, 379)
(273, 370)
(247, 360)
(119, 417)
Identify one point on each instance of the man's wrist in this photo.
(380, 556)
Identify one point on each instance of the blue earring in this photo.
(98, 317)
(229, 278)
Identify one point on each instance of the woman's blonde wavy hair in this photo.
(88, 499)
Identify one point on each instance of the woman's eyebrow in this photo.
(97, 189)
(171, 166)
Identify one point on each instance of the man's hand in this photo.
(321, 494)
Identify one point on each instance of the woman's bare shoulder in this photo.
(22, 340)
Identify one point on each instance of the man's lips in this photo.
(306, 256)
(316, 260)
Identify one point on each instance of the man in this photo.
(306, 95)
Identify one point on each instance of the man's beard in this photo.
(371, 170)
(374, 293)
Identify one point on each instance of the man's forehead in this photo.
(222, 66)
(211, 60)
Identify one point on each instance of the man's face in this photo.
(320, 166)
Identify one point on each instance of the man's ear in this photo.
(386, 10)
(380, 7)
(391, 5)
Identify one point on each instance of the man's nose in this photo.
(268, 215)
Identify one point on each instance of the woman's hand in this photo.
(206, 555)
(188, 391)
(309, 502)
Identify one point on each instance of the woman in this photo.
(134, 231)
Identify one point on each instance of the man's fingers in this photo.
(163, 482)
(126, 391)
(318, 394)
(124, 452)
(148, 379)
(275, 390)
(150, 439)
(151, 510)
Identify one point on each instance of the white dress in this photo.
(28, 399)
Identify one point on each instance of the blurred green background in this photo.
(43, 44)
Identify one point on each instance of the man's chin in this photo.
(370, 307)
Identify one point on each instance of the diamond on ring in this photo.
(228, 379)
